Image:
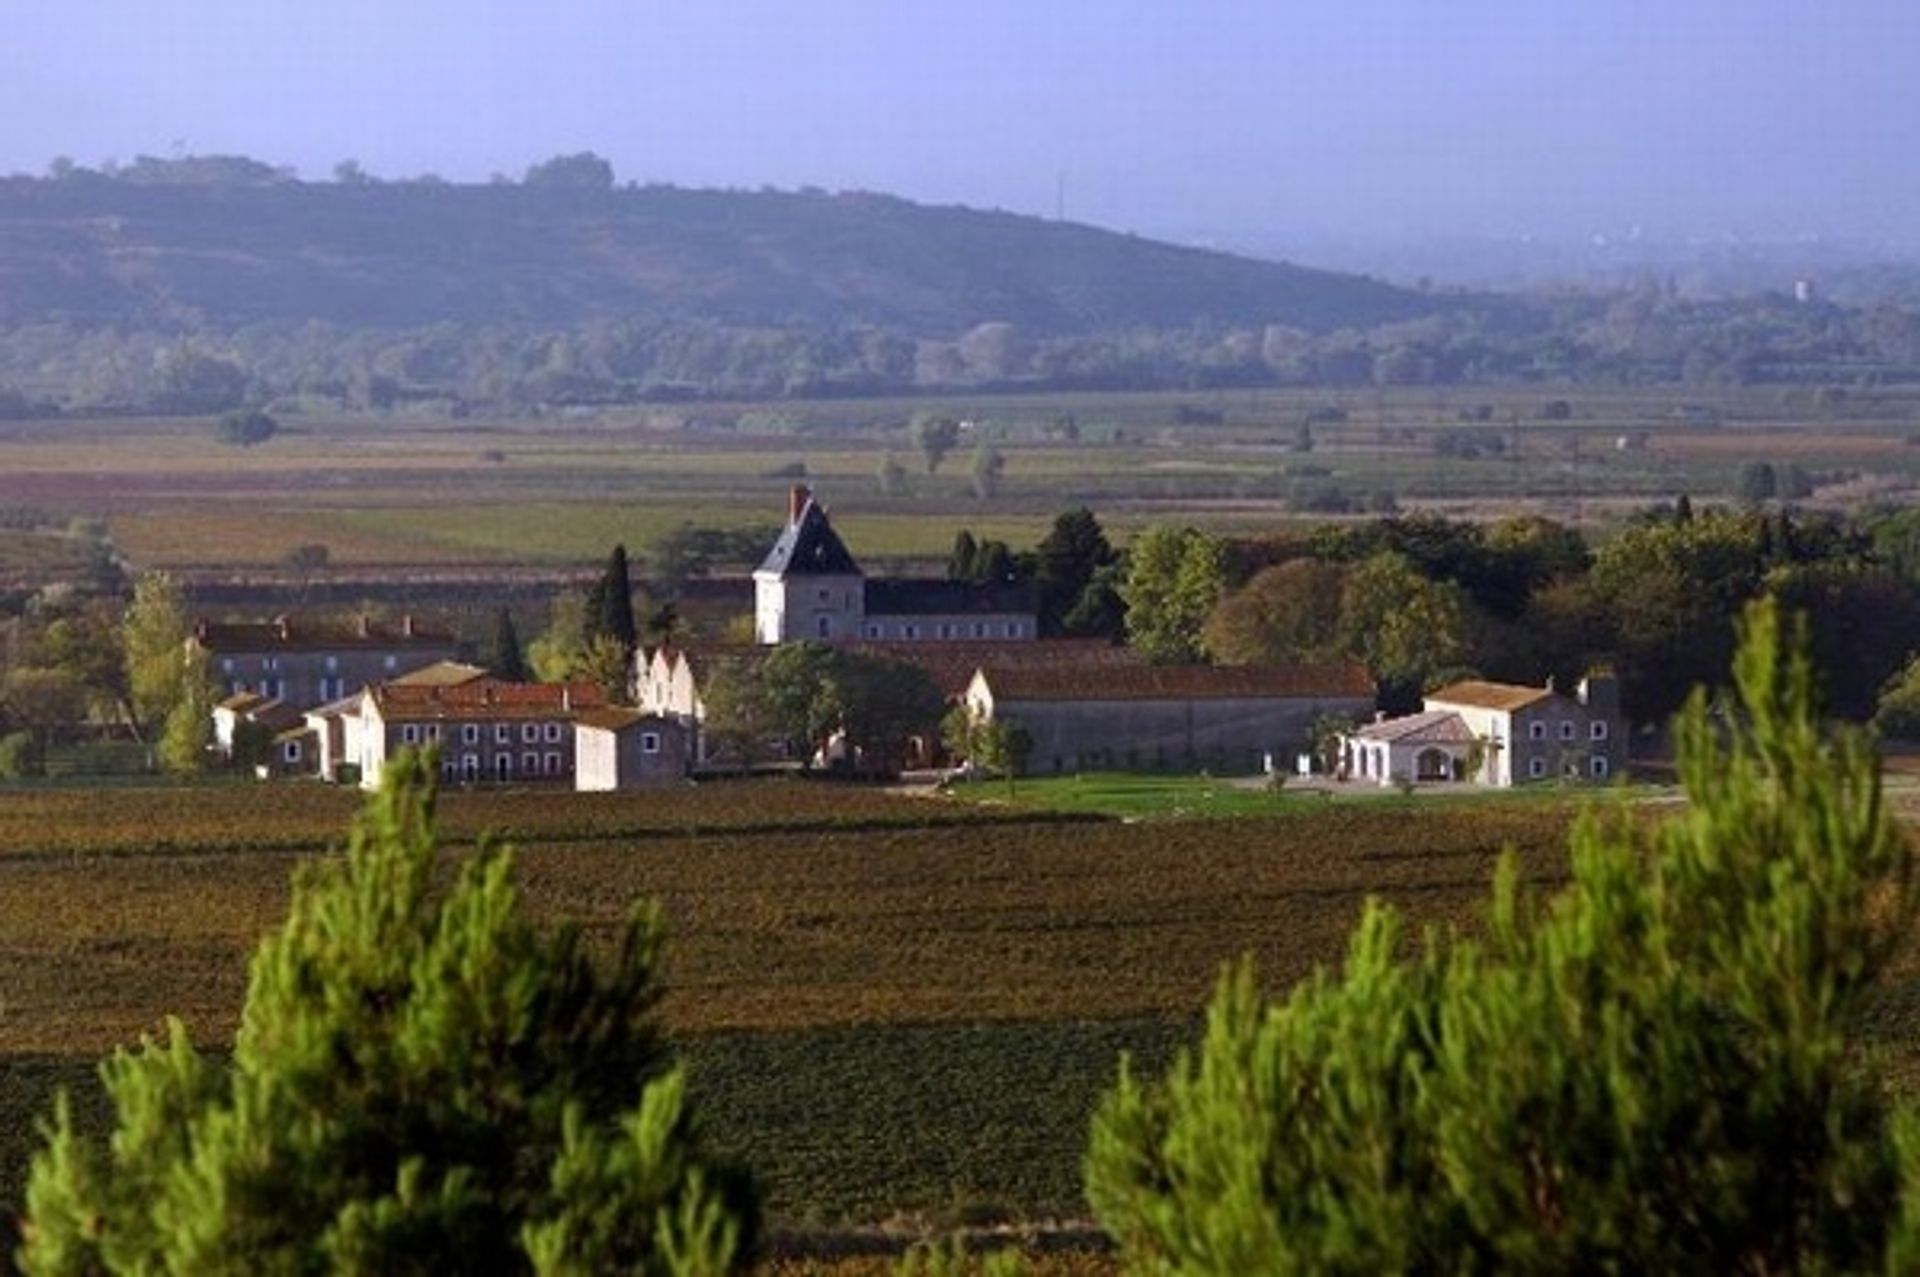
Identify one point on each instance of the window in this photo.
(1537, 731)
(826, 597)
(502, 734)
(553, 733)
(1566, 729)
(823, 626)
(290, 751)
(1013, 629)
(469, 733)
(470, 767)
(389, 663)
(874, 630)
(1537, 768)
(409, 734)
(553, 763)
(226, 665)
(503, 766)
(333, 663)
(433, 731)
(1598, 766)
(649, 742)
(269, 662)
(1598, 729)
(530, 732)
(530, 764)
(911, 631)
(271, 687)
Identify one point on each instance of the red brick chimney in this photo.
(797, 501)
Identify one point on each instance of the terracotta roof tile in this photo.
(486, 700)
(1012, 683)
(287, 634)
(1506, 697)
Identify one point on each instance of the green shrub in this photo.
(20, 756)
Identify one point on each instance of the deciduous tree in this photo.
(1174, 577)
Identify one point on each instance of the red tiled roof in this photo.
(486, 699)
(1482, 695)
(1178, 682)
(285, 634)
(615, 719)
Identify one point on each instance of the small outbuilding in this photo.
(626, 749)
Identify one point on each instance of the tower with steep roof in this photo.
(809, 586)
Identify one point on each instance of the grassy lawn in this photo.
(1144, 796)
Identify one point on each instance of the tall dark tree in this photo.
(960, 562)
(611, 615)
(1067, 560)
(509, 662)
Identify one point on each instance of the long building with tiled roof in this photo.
(307, 662)
(1228, 718)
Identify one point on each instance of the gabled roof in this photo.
(486, 699)
(440, 674)
(1435, 726)
(951, 663)
(810, 547)
(241, 702)
(1013, 683)
(298, 634)
(1505, 697)
(905, 597)
(615, 719)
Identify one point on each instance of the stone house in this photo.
(809, 587)
(292, 748)
(488, 731)
(1499, 734)
(307, 663)
(625, 749)
(336, 725)
(1226, 718)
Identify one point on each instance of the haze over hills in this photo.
(200, 284)
(92, 249)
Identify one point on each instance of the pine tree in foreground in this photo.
(422, 1082)
(1659, 1070)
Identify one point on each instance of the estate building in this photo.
(809, 587)
(1499, 734)
(305, 663)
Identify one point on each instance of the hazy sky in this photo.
(1247, 120)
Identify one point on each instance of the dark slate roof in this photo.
(810, 547)
(899, 597)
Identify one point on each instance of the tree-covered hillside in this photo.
(236, 246)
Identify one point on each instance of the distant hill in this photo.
(92, 249)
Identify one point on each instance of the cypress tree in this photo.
(960, 561)
(422, 1082)
(614, 596)
(509, 662)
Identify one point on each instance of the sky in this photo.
(1214, 120)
